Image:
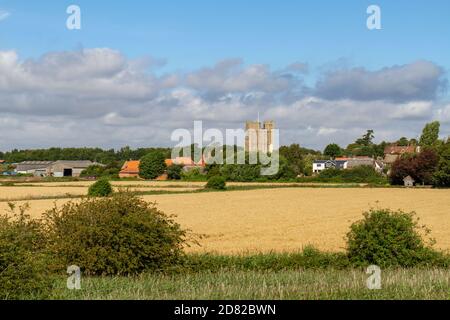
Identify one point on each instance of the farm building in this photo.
(409, 181)
(37, 168)
(69, 168)
(130, 169)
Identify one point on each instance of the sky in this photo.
(137, 70)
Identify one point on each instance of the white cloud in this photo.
(443, 114)
(413, 110)
(420, 80)
(326, 131)
(99, 97)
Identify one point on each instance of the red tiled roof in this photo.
(399, 149)
(130, 167)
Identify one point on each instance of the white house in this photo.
(320, 165)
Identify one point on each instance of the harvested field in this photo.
(35, 192)
(287, 219)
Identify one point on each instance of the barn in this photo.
(37, 168)
(63, 168)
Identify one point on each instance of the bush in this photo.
(360, 174)
(120, 235)
(216, 183)
(309, 258)
(174, 172)
(193, 175)
(152, 165)
(23, 272)
(212, 170)
(102, 188)
(241, 172)
(386, 238)
(110, 170)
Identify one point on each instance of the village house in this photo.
(321, 165)
(347, 163)
(393, 152)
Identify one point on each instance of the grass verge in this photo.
(398, 284)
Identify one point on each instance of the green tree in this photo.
(441, 177)
(294, 157)
(174, 172)
(102, 188)
(333, 150)
(430, 134)
(364, 146)
(403, 142)
(152, 165)
(366, 139)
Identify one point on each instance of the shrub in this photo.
(193, 175)
(174, 172)
(152, 165)
(387, 238)
(110, 170)
(241, 172)
(102, 188)
(360, 174)
(309, 258)
(23, 272)
(216, 183)
(120, 235)
(212, 170)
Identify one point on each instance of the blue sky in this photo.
(185, 44)
(191, 34)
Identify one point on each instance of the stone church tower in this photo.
(259, 138)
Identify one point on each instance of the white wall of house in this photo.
(318, 167)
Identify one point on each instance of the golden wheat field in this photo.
(271, 219)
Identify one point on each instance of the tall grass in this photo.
(255, 285)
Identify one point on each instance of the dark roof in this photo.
(33, 165)
(35, 162)
(335, 163)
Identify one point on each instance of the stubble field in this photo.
(261, 220)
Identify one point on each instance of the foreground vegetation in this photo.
(124, 238)
(256, 285)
